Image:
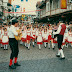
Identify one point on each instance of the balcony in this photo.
(57, 11)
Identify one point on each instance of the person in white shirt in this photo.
(13, 44)
(61, 30)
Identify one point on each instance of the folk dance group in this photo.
(39, 34)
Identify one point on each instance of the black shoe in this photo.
(57, 55)
(16, 64)
(53, 48)
(48, 48)
(27, 47)
(12, 67)
(44, 46)
(6, 49)
(33, 46)
(62, 58)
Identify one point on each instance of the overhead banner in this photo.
(63, 4)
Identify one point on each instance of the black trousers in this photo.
(59, 40)
(14, 47)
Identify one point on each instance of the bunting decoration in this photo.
(63, 4)
(26, 0)
(23, 9)
(22, 0)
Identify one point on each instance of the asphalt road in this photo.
(35, 60)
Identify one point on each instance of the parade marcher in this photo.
(50, 39)
(39, 38)
(61, 30)
(5, 39)
(28, 38)
(24, 35)
(13, 44)
(45, 37)
(33, 35)
(69, 40)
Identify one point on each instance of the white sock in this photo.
(35, 40)
(62, 54)
(25, 44)
(71, 45)
(1, 45)
(6, 46)
(62, 46)
(33, 43)
(39, 46)
(28, 45)
(21, 42)
(45, 44)
(49, 45)
(52, 45)
(58, 52)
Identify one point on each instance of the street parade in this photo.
(21, 35)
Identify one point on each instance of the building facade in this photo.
(51, 10)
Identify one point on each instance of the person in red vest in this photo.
(61, 30)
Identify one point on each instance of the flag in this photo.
(17, 6)
(15, 9)
(22, 0)
(26, 0)
(63, 4)
(23, 9)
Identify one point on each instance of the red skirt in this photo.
(5, 43)
(34, 36)
(54, 41)
(45, 40)
(0, 41)
(39, 43)
(23, 39)
(68, 41)
(28, 37)
(49, 37)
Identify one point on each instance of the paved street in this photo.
(35, 60)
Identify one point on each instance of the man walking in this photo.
(61, 30)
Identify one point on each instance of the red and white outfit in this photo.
(5, 39)
(28, 35)
(45, 36)
(50, 36)
(39, 38)
(24, 35)
(33, 33)
(69, 40)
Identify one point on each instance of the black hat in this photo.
(14, 21)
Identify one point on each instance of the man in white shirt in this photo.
(61, 30)
(13, 44)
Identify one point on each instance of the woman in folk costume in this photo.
(24, 35)
(69, 40)
(50, 37)
(28, 38)
(39, 38)
(33, 35)
(45, 37)
(1, 36)
(5, 39)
